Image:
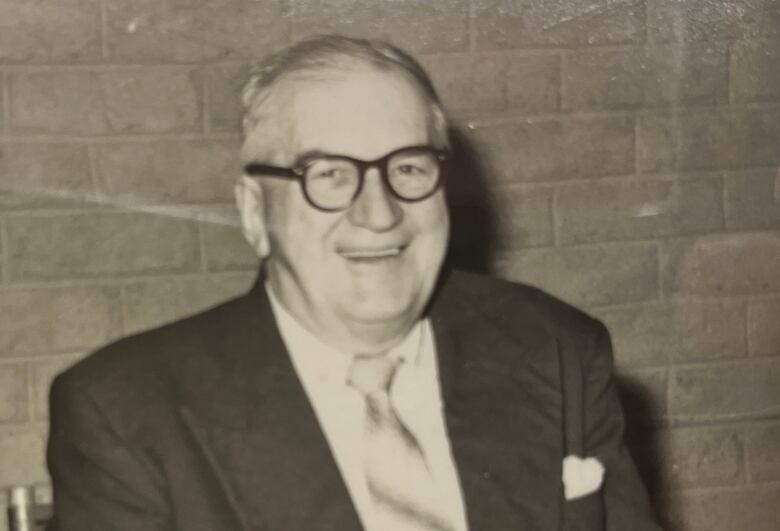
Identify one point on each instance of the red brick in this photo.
(413, 25)
(14, 404)
(660, 333)
(89, 245)
(225, 246)
(706, 20)
(752, 199)
(523, 217)
(534, 23)
(754, 73)
(469, 81)
(651, 76)
(153, 101)
(710, 140)
(638, 209)
(224, 96)
(588, 276)
(722, 265)
(534, 83)
(763, 457)
(43, 372)
(64, 31)
(182, 31)
(22, 457)
(752, 507)
(724, 391)
(44, 175)
(552, 149)
(168, 171)
(58, 102)
(154, 302)
(58, 319)
(763, 329)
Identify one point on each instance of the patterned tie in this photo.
(399, 480)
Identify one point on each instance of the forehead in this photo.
(364, 113)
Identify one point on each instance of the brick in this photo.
(152, 303)
(541, 150)
(88, 245)
(730, 391)
(692, 20)
(43, 372)
(633, 209)
(469, 81)
(752, 199)
(709, 140)
(225, 246)
(22, 457)
(764, 334)
(589, 276)
(533, 23)
(754, 75)
(763, 459)
(224, 96)
(13, 393)
(406, 23)
(154, 101)
(722, 265)
(703, 457)
(168, 171)
(651, 76)
(153, 31)
(44, 176)
(57, 102)
(61, 31)
(643, 397)
(58, 319)
(752, 507)
(523, 217)
(662, 333)
(534, 83)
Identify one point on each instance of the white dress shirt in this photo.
(340, 409)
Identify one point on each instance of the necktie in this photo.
(399, 480)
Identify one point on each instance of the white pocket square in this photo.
(581, 476)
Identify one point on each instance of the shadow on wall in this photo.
(473, 221)
(473, 225)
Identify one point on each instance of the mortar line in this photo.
(104, 51)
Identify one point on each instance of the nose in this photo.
(374, 208)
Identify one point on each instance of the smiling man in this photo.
(360, 384)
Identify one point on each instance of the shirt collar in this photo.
(320, 363)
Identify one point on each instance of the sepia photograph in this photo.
(390, 265)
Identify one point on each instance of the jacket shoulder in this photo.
(144, 360)
(508, 301)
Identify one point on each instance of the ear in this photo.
(249, 200)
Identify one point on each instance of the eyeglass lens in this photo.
(331, 182)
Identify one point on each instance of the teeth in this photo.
(371, 253)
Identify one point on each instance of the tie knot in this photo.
(369, 374)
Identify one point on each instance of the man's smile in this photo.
(370, 253)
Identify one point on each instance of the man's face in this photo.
(363, 275)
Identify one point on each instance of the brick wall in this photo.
(622, 154)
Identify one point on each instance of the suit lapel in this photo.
(500, 385)
(254, 422)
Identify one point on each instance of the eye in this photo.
(410, 169)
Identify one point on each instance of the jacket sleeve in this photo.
(625, 499)
(100, 482)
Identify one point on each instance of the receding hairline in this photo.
(333, 56)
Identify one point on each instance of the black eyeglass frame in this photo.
(298, 172)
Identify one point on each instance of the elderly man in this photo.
(357, 385)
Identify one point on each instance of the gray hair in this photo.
(330, 52)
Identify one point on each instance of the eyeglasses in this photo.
(333, 182)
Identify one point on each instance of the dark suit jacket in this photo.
(203, 425)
